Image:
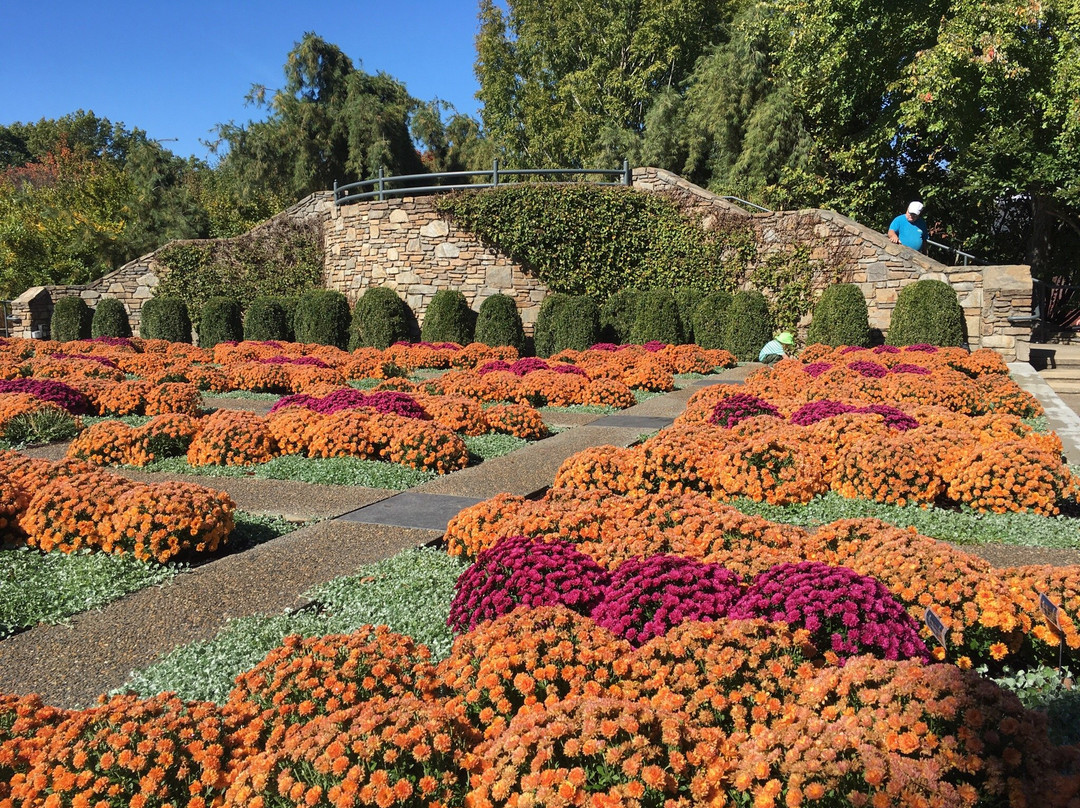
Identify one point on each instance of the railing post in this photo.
(628, 176)
(380, 184)
(335, 192)
(495, 172)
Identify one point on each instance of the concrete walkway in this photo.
(1060, 417)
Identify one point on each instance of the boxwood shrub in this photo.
(448, 318)
(657, 318)
(380, 318)
(322, 317)
(110, 319)
(266, 318)
(686, 303)
(711, 320)
(165, 318)
(927, 312)
(840, 317)
(575, 324)
(71, 319)
(221, 321)
(618, 314)
(498, 322)
(749, 326)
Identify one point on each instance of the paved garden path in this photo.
(70, 664)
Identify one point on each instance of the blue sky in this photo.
(177, 69)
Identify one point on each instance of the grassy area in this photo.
(409, 592)
(40, 587)
(246, 395)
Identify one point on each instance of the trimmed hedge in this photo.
(711, 320)
(686, 303)
(618, 314)
(749, 325)
(499, 323)
(71, 319)
(221, 320)
(165, 318)
(927, 312)
(448, 319)
(266, 319)
(840, 317)
(322, 317)
(566, 321)
(657, 318)
(110, 319)
(380, 319)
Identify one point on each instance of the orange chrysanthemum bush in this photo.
(292, 428)
(1062, 586)
(556, 389)
(400, 750)
(678, 459)
(648, 374)
(729, 674)
(520, 420)
(397, 385)
(427, 446)
(208, 377)
(693, 359)
(601, 752)
(767, 469)
(176, 397)
(995, 427)
(888, 733)
(168, 435)
(604, 468)
(477, 353)
(609, 393)
(163, 521)
(531, 656)
(344, 433)
(26, 724)
(700, 406)
(124, 398)
(890, 469)
(456, 414)
(13, 502)
(72, 513)
(258, 377)
(16, 404)
(30, 473)
(305, 678)
(106, 443)
(832, 437)
(230, 438)
(71, 367)
(129, 753)
(1010, 476)
(1001, 394)
(420, 355)
(985, 621)
(313, 380)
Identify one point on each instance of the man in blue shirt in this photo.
(909, 229)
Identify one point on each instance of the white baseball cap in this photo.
(915, 207)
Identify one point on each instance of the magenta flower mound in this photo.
(654, 345)
(101, 360)
(918, 370)
(523, 367)
(314, 361)
(733, 409)
(348, 398)
(849, 349)
(872, 370)
(844, 612)
(396, 403)
(814, 411)
(519, 571)
(492, 366)
(122, 342)
(894, 418)
(605, 346)
(63, 395)
(922, 347)
(573, 370)
(815, 369)
(647, 596)
(880, 349)
(296, 400)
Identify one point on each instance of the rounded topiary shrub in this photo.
(266, 319)
(575, 325)
(686, 303)
(749, 325)
(840, 317)
(448, 319)
(618, 314)
(380, 319)
(110, 319)
(165, 318)
(543, 335)
(221, 321)
(70, 319)
(657, 319)
(711, 320)
(499, 323)
(927, 312)
(322, 317)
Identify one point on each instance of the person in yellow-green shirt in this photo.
(774, 349)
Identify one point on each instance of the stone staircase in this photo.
(1058, 365)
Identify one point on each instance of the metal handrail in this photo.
(746, 202)
(344, 194)
(958, 253)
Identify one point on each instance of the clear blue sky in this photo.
(177, 69)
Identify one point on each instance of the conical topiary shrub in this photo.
(266, 318)
(686, 303)
(927, 312)
(221, 321)
(71, 319)
(165, 318)
(617, 316)
(657, 318)
(110, 319)
(448, 319)
(711, 320)
(380, 319)
(322, 317)
(749, 325)
(576, 325)
(499, 323)
(840, 317)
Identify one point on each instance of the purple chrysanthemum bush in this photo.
(845, 613)
(385, 401)
(730, 411)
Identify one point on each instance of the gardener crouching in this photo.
(774, 349)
